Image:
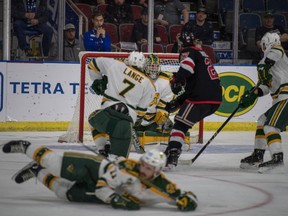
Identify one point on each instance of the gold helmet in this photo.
(152, 66)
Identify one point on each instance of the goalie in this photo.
(156, 120)
(123, 184)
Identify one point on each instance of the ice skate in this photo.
(252, 161)
(29, 171)
(15, 146)
(172, 157)
(276, 164)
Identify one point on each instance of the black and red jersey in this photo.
(202, 81)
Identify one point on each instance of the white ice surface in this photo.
(215, 177)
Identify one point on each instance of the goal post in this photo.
(87, 101)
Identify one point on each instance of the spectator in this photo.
(140, 31)
(99, 2)
(143, 3)
(267, 26)
(72, 45)
(31, 15)
(202, 29)
(90, 2)
(167, 12)
(118, 12)
(97, 39)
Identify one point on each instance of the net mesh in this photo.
(87, 101)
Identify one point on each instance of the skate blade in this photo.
(169, 167)
(272, 170)
(24, 168)
(249, 166)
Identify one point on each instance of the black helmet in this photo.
(187, 38)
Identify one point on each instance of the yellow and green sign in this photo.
(233, 86)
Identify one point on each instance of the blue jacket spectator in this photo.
(97, 39)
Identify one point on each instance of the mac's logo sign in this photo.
(1, 91)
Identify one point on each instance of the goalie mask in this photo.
(156, 159)
(152, 66)
(136, 59)
(269, 40)
(187, 38)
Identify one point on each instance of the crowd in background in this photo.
(208, 21)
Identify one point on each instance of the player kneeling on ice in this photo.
(78, 177)
(273, 78)
(127, 93)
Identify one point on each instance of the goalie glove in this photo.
(264, 76)
(187, 201)
(125, 201)
(100, 85)
(161, 117)
(247, 99)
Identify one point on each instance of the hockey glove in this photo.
(175, 104)
(124, 202)
(177, 85)
(187, 202)
(247, 99)
(172, 106)
(264, 76)
(100, 85)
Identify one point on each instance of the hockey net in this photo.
(87, 101)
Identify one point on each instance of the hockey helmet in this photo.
(187, 38)
(136, 59)
(152, 66)
(156, 159)
(269, 40)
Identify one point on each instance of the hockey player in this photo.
(273, 76)
(156, 123)
(127, 93)
(78, 177)
(202, 93)
(156, 114)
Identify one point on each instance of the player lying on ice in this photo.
(78, 177)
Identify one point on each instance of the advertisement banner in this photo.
(48, 92)
(235, 80)
(42, 92)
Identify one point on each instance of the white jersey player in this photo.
(127, 84)
(273, 76)
(78, 177)
(126, 97)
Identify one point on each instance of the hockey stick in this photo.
(138, 147)
(221, 127)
